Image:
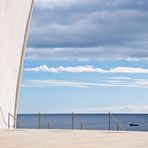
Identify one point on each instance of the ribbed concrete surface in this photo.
(72, 139)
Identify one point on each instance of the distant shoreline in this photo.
(82, 113)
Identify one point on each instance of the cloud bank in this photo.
(86, 69)
(86, 30)
(115, 109)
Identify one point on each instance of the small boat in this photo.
(133, 124)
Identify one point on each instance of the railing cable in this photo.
(3, 116)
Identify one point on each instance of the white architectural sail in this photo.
(14, 22)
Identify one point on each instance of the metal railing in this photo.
(80, 121)
(119, 125)
(14, 121)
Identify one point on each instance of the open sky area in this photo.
(86, 56)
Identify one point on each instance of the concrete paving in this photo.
(72, 139)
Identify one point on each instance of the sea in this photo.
(123, 122)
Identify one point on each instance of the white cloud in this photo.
(86, 69)
(128, 70)
(134, 83)
(52, 83)
(78, 69)
(120, 78)
(115, 109)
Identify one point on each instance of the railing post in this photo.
(117, 126)
(48, 125)
(39, 120)
(14, 122)
(72, 121)
(109, 121)
(81, 126)
(8, 120)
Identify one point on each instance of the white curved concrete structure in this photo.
(14, 21)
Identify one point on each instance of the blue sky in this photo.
(86, 56)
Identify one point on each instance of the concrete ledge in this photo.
(71, 139)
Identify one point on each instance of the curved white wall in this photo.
(14, 21)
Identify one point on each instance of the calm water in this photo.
(85, 121)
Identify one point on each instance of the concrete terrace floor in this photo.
(72, 139)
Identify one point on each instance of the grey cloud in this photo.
(115, 28)
(84, 54)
